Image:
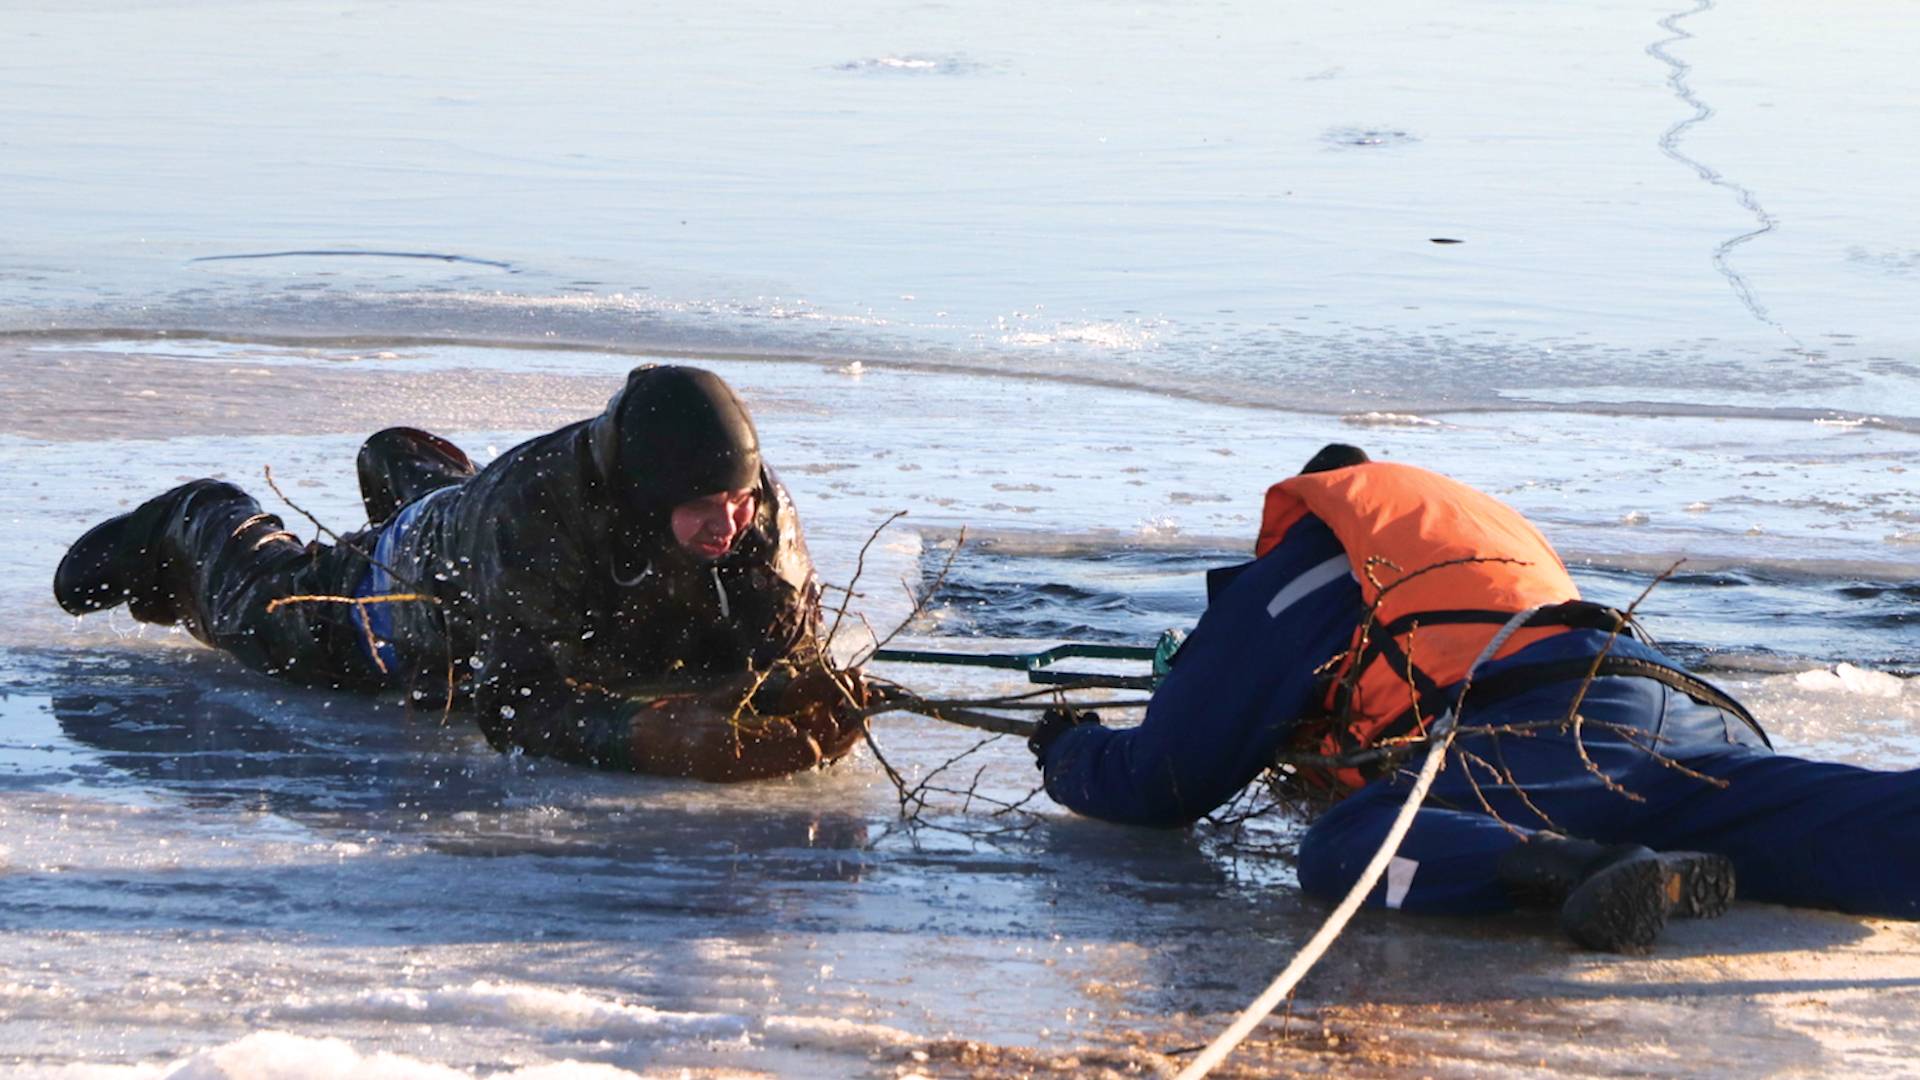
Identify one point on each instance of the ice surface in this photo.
(274, 1055)
(205, 870)
(1145, 197)
(1847, 679)
(1082, 279)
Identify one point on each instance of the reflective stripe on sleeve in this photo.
(1297, 590)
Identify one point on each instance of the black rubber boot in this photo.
(1616, 898)
(400, 464)
(124, 560)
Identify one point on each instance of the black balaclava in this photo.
(670, 435)
(1335, 456)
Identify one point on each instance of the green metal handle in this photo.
(1017, 661)
(1035, 664)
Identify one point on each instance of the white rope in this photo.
(1440, 736)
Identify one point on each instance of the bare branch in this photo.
(922, 599)
(334, 536)
(860, 567)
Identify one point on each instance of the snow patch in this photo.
(1101, 335)
(1844, 713)
(534, 1009)
(1388, 419)
(277, 1055)
(1847, 679)
(913, 64)
(833, 1033)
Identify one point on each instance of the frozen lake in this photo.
(200, 861)
(1656, 204)
(1080, 278)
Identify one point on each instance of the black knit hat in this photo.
(673, 434)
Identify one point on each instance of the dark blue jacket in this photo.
(1245, 678)
(1241, 681)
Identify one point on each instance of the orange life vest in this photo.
(1440, 566)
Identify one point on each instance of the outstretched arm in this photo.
(1241, 682)
(810, 720)
(794, 720)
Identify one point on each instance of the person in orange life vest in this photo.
(1280, 651)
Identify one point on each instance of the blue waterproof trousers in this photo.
(1804, 833)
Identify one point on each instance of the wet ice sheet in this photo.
(1212, 201)
(200, 862)
(194, 856)
(997, 454)
(188, 842)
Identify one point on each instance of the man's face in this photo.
(706, 527)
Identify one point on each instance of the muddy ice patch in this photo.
(912, 64)
(1358, 137)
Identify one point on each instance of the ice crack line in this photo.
(1670, 146)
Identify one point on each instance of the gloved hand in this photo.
(821, 704)
(787, 689)
(812, 718)
(1052, 724)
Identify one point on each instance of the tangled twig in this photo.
(859, 568)
(1575, 719)
(360, 605)
(1477, 747)
(414, 594)
(337, 538)
(921, 599)
(915, 796)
